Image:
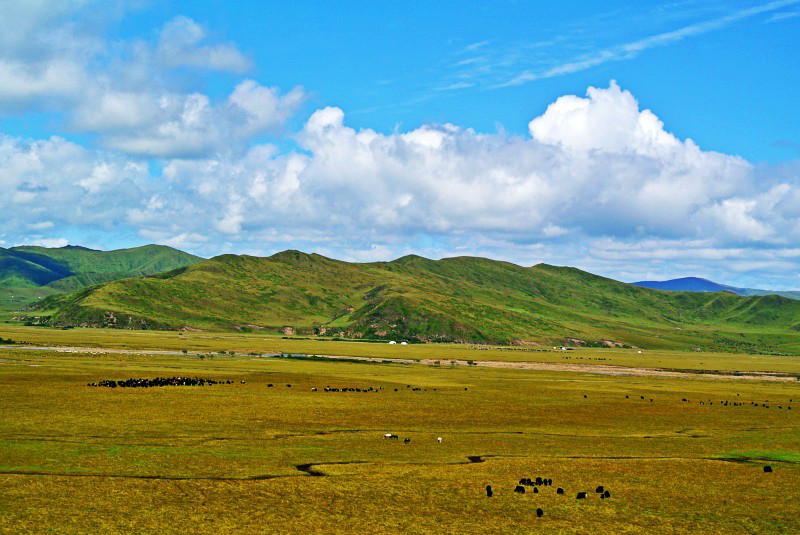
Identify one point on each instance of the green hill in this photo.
(20, 272)
(74, 260)
(454, 299)
(29, 272)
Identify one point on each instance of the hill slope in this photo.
(30, 273)
(463, 299)
(31, 266)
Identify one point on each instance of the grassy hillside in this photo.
(73, 260)
(20, 270)
(71, 267)
(455, 299)
(30, 273)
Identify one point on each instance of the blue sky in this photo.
(367, 131)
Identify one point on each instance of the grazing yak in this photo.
(581, 496)
(489, 492)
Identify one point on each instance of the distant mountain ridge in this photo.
(697, 284)
(465, 299)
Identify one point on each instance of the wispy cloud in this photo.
(475, 46)
(634, 48)
(783, 16)
(456, 85)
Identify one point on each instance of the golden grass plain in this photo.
(230, 458)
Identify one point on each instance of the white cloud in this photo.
(49, 242)
(608, 120)
(132, 94)
(23, 83)
(174, 125)
(112, 111)
(436, 179)
(62, 184)
(594, 167)
(783, 16)
(180, 44)
(43, 57)
(262, 108)
(736, 217)
(599, 184)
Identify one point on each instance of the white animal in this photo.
(439, 440)
(392, 343)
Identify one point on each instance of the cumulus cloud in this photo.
(181, 44)
(54, 184)
(609, 120)
(594, 167)
(43, 56)
(598, 183)
(170, 125)
(131, 94)
(587, 156)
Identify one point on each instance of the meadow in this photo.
(249, 458)
(244, 343)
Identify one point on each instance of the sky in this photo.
(636, 141)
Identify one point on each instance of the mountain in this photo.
(689, 284)
(41, 271)
(696, 284)
(454, 299)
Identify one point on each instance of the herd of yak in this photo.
(160, 381)
(195, 381)
(526, 482)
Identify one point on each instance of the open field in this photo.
(203, 342)
(248, 458)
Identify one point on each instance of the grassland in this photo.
(247, 458)
(214, 342)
